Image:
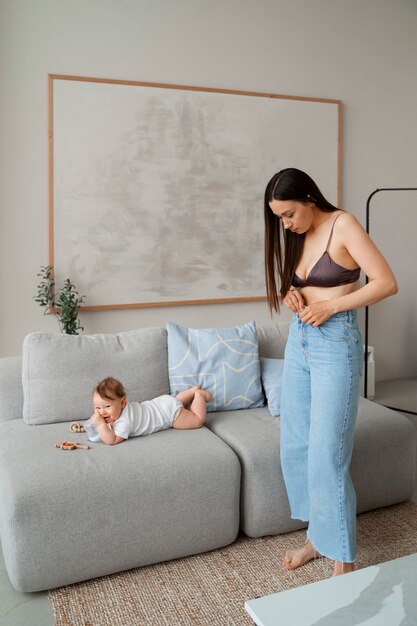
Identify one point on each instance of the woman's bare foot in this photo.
(300, 556)
(342, 568)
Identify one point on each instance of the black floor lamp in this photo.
(367, 308)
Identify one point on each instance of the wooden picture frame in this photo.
(156, 190)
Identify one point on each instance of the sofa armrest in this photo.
(11, 390)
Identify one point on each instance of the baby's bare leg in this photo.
(195, 416)
(198, 405)
(187, 396)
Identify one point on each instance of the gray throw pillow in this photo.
(60, 371)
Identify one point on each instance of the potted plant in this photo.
(65, 304)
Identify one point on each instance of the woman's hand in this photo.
(317, 313)
(294, 300)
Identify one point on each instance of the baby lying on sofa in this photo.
(115, 419)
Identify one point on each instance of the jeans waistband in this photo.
(348, 316)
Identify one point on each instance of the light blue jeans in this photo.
(320, 393)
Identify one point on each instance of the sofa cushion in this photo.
(383, 464)
(60, 371)
(71, 516)
(225, 361)
(272, 339)
(11, 394)
(254, 437)
(271, 375)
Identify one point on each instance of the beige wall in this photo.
(362, 51)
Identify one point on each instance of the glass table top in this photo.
(381, 595)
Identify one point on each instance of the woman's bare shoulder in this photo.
(349, 223)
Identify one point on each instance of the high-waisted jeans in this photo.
(320, 393)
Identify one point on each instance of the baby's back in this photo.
(145, 418)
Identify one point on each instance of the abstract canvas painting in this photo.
(156, 191)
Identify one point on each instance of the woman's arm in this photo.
(382, 282)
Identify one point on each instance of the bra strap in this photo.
(331, 232)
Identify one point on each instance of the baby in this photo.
(115, 419)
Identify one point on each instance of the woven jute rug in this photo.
(210, 589)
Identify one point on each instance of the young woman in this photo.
(314, 253)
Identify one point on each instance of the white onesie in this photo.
(144, 418)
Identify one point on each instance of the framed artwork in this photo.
(156, 191)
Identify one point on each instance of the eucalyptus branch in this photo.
(65, 304)
(46, 288)
(69, 301)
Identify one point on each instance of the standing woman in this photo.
(315, 252)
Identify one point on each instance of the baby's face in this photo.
(110, 410)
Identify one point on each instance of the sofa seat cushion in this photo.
(60, 371)
(383, 464)
(68, 516)
(254, 436)
(382, 468)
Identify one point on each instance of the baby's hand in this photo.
(97, 419)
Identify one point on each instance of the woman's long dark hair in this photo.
(282, 247)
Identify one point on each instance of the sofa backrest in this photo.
(11, 390)
(272, 339)
(42, 366)
(60, 371)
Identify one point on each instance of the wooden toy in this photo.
(76, 427)
(70, 445)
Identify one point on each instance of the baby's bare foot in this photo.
(300, 556)
(206, 394)
(195, 388)
(342, 568)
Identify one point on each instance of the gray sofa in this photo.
(70, 516)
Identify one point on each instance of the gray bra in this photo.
(326, 272)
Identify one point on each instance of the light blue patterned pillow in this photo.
(271, 374)
(225, 361)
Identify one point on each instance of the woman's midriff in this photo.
(318, 294)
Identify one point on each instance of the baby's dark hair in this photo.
(110, 388)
